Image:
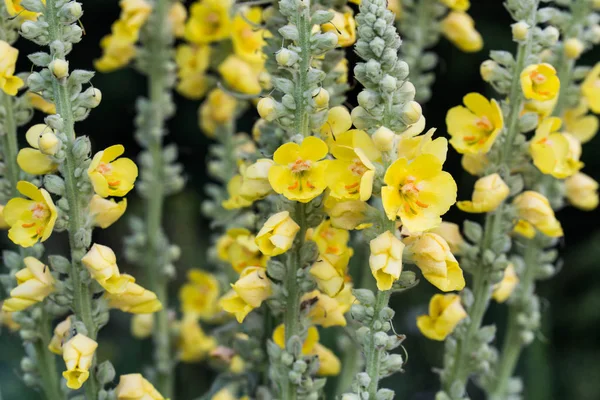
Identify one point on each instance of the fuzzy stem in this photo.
(301, 121)
(350, 367)
(373, 353)
(47, 365)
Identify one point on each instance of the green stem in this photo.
(374, 353)
(302, 120)
(10, 146)
(46, 363)
(350, 367)
(511, 349)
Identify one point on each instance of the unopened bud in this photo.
(266, 108)
(411, 112)
(520, 31)
(487, 69)
(96, 97)
(286, 58)
(551, 35)
(49, 143)
(264, 79)
(383, 138)
(573, 48)
(59, 68)
(321, 98)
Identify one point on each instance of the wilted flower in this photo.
(445, 312)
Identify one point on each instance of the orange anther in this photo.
(30, 225)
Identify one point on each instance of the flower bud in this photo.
(534, 212)
(101, 263)
(573, 48)
(383, 138)
(386, 259)
(59, 68)
(487, 69)
(142, 325)
(49, 143)
(266, 108)
(94, 97)
(277, 234)
(60, 332)
(388, 83)
(445, 312)
(490, 191)
(551, 35)
(264, 78)
(34, 283)
(321, 98)
(134, 386)
(411, 112)
(251, 289)
(286, 58)
(582, 191)
(507, 285)
(520, 30)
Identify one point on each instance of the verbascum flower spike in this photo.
(136, 387)
(111, 175)
(277, 234)
(459, 28)
(432, 255)
(386, 259)
(582, 191)
(33, 160)
(60, 333)
(134, 299)
(200, 294)
(101, 262)
(78, 353)
(490, 191)
(106, 212)
(507, 285)
(535, 213)
(445, 312)
(9, 83)
(248, 292)
(30, 220)
(34, 284)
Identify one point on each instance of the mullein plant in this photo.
(422, 24)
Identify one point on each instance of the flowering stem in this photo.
(46, 363)
(301, 121)
(373, 352)
(9, 144)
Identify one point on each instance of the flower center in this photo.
(300, 166)
(484, 123)
(537, 77)
(246, 33)
(212, 18)
(39, 211)
(409, 192)
(357, 167)
(104, 168)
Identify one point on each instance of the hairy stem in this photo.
(301, 121)
(46, 363)
(373, 353)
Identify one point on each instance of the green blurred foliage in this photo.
(562, 363)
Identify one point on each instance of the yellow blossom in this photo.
(332, 242)
(9, 83)
(15, 9)
(579, 124)
(445, 312)
(418, 192)
(555, 153)
(299, 171)
(543, 109)
(6, 319)
(39, 103)
(534, 212)
(457, 5)
(199, 295)
(218, 109)
(30, 220)
(490, 191)
(118, 49)
(338, 122)
(209, 21)
(474, 164)
(111, 176)
(78, 354)
(177, 17)
(238, 247)
(3, 224)
(411, 145)
(235, 200)
(135, 299)
(474, 128)
(60, 332)
(255, 183)
(590, 88)
(135, 387)
(344, 27)
(34, 284)
(324, 310)
(31, 159)
(329, 272)
(240, 75)
(539, 82)
(142, 326)
(459, 28)
(351, 174)
(194, 345)
(134, 13)
(345, 214)
(277, 234)
(251, 289)
(506, 286)
(432, 255)
(247, 39)
(192, 63)
(450, 232)
(386, 259)
(582, 191)
(106, 212)
(101, 262)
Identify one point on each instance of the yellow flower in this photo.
(34, 284)
(418, 192)
(209, 21)
(6, 319)
(432, 255)
(459, 28)
(3, 224)
(31, 159)
(192, 63)
(474, 128)
(579, 124)
(344, 27)
(298, 173)
(457, 5)
(490, 191)
(411, 145)
(111, 176)
(238, 247)
(345, 214)
(332, 242)
(255, 182)
(9, 83)
(475, 164)
(539, 82)
(106, 212)
(194, 345)
(235, 199)
(135, 299)
(30, 220)
(218, 109)
(543, 109)
(135, 387)
(555, 153)
(534, 212)
(39, 103)
(78, 354)
(247, 40)
(142, 326)
(394, 6)
(199, 295)
(60, 332)
(15, 9)
(445, 312)
(324, 310)
(241, 75)
(338, 122)
(590, 88)
(450, 232)
(582, 191)
(507, 285)
(177, 17)
(329, 272)
(118, 49)
(251, 289)
(101, 262)
(277, 234)
(351, 174)
(386, 259)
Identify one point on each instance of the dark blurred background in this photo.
(563, 363)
